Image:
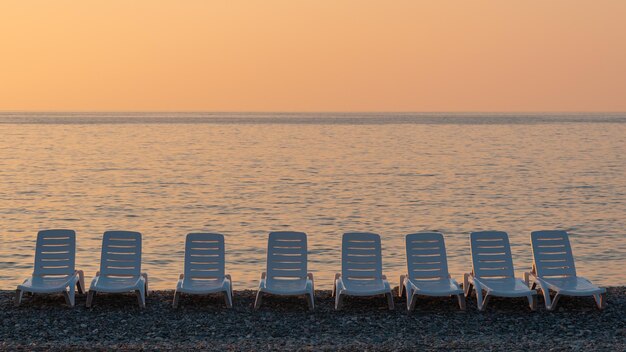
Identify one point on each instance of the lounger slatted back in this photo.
(361, 268)
(491, 255)
(361, 257)
(55, 254)
(493, 270)
(287, 268)
(204, 268)
(552, 254)
(204, 256)
(54, 267)
(427, 269)
(120, 267)
(286, 257)
(554, 269)
(121, 254)
(426, 256)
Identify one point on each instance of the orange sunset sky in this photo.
(201, 55)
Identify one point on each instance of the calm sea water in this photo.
(167, 174)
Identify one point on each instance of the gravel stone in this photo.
(43, 322)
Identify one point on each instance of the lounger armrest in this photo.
(526, 276)
(263, 275)
(401, 286)
(384, 277)
(182, 276)
(337, 276)
(310, 277)
(228, 277)
(98, 273)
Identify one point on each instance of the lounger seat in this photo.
(352, 287)
(286, 288)
(116, 284)
(205, 261)
(493, 271)
(286, 274)
(427, 270)
(192, 286)
(54, 272)
(361, 269)
(572, 286)
(47, 284)
(505, 287)
(120, 267)
(439, 287)
(554, 269)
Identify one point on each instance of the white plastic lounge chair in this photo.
(204, 268)
(120, 267)
(493, 270)
(553, 269)
(427, 266)
(361, 269)
(287, 268)
(55, 257)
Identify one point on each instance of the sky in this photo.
(199, 55)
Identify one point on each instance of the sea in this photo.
(166, 174)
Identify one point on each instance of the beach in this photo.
(43, 322)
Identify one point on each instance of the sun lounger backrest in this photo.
(286, 256)
(491, 254)
(55, 253)
(361, 256)
(121, 254)
(204, 256)
(426, 256)
(552, 253)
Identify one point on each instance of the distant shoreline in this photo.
(283, 323)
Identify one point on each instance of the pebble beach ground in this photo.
(203, 323)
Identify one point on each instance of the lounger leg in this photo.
(532, 302)
(228, 298)
(68, 300)
(90, 298)
(411, 301)
(18, 297)
(176, 300)
(480, 301)
(600, 299)
(141, 297)
(338, 301)
(485, 301)
(401, 290)
(257, 301)
(72, 296)
(80, 284)
(546, 298)
(461, 299)
(389, 300)
(311, 301)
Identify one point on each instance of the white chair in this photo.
(286, 273)
(492, 270)
(204, 268)
(55, 257)
(427, 266)
(361, 269)
(120, 267)
(553, 269)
